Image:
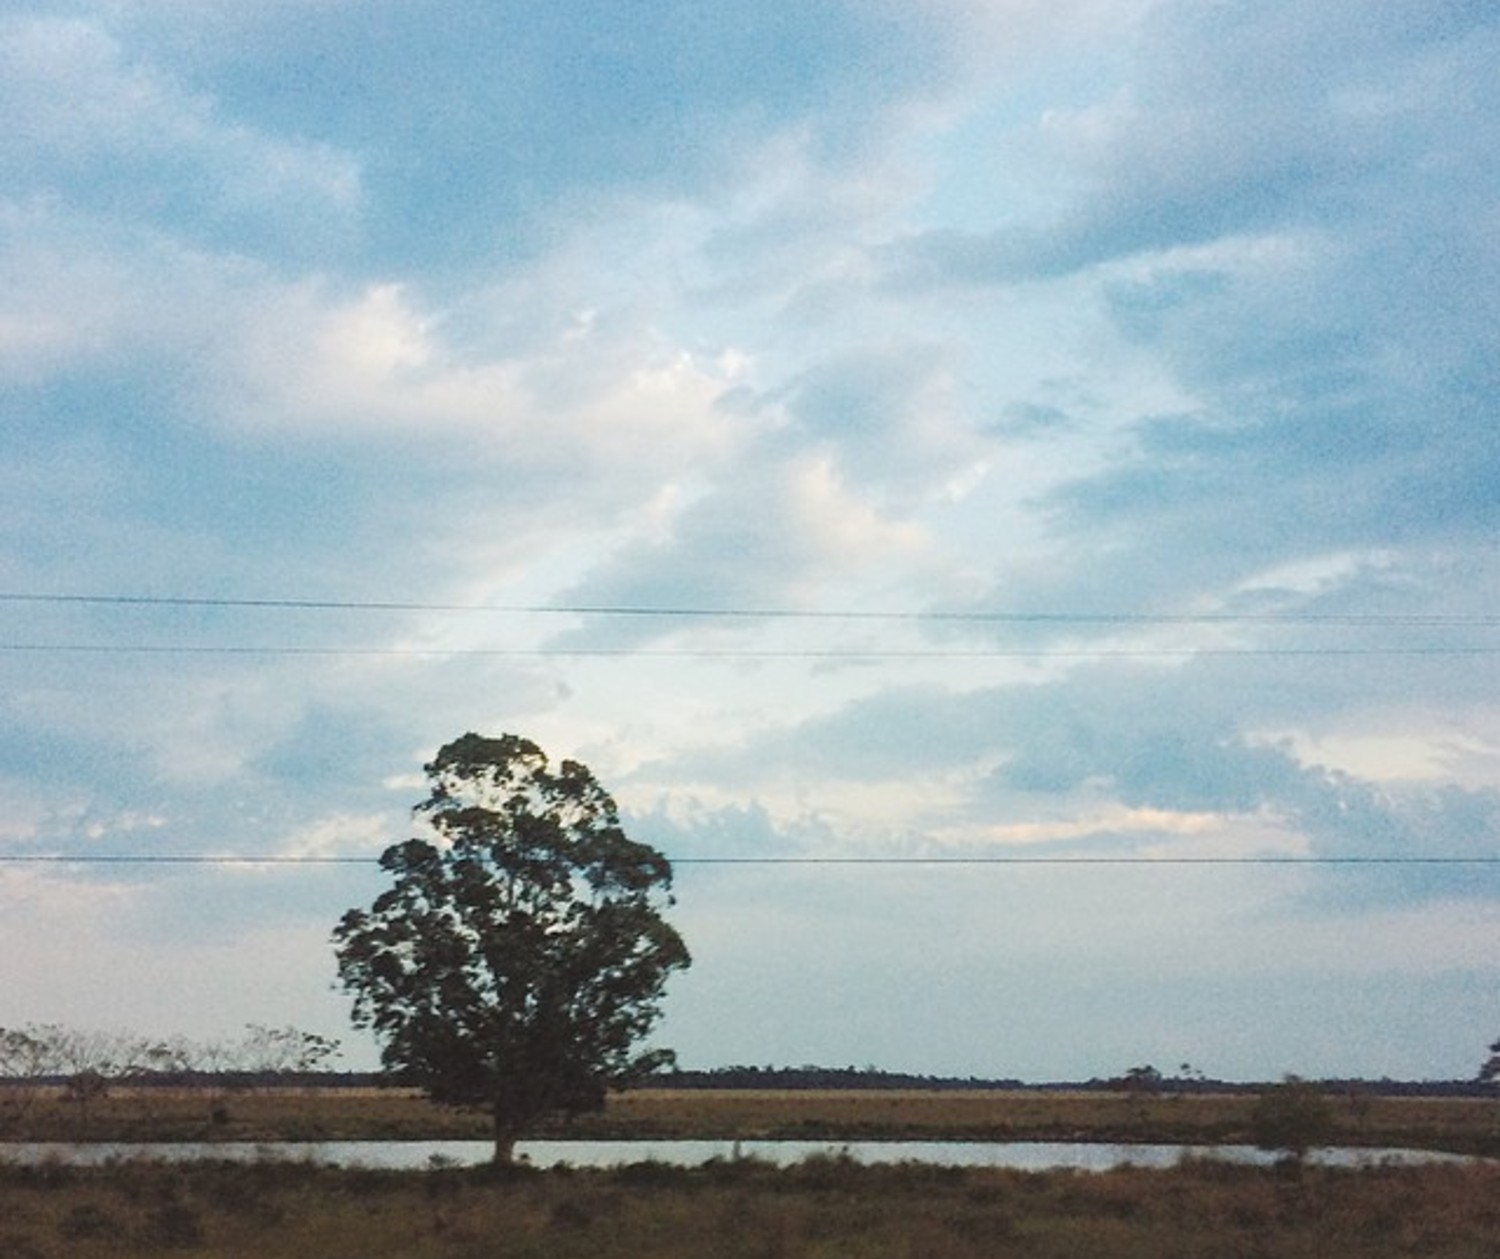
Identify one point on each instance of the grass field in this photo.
(1465, 1125)
(826, 1207)
(742, 1210)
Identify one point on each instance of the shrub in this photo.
(1292, 1117)
(172, 1226)
(650, 1173)
(87, 1220)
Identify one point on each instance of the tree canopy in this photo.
(519, 958)
(1292, 1117)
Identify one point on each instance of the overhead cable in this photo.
(979, 616)
(726, 653)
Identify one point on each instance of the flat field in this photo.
(826, 1208)
(1464, 1125)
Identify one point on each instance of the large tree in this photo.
(519, 958)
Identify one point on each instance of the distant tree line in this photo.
(1135, 1080)
(85, 1060)
(813, 1077)
(91, 1062)
(88, 1064)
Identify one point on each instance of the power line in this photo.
(975, 616)
(1428, 621)
(725, 653)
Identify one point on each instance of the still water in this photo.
(406, 1155)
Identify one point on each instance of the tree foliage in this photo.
(1489, 1073)
(520, 955)
(1142, 1079)
(1292, 1117)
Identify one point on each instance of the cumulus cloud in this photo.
(780, 536)
(1111, 762)
(1097, 313)
(374, 363)
(891, 415)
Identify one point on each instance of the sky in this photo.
(1047, 446)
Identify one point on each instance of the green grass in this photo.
(744, 1210)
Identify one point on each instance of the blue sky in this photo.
(1100, 393)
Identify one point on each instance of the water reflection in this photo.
(408, 1155)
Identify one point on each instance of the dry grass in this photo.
(826, 1208)
(1465, 1125)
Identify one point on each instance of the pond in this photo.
(410, 1155)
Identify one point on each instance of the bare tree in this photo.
(283, 1050)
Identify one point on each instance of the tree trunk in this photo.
(506, 1136)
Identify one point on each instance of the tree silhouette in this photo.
(1489, 1073)
(1291, 1117)
(520, 956)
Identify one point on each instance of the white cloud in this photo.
(593, 402)
(341, 835)
(782, 532)
(83, 112)
(1206, 333)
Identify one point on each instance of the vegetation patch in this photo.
(831, 1206)
(1464, 1125)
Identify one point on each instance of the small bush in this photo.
(738, 1169)
(49, 1174)
(571, 1213)
(650, 1173)
(172, 1226)
(826, 1171)
(1292, 1117)
(85, 1221)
